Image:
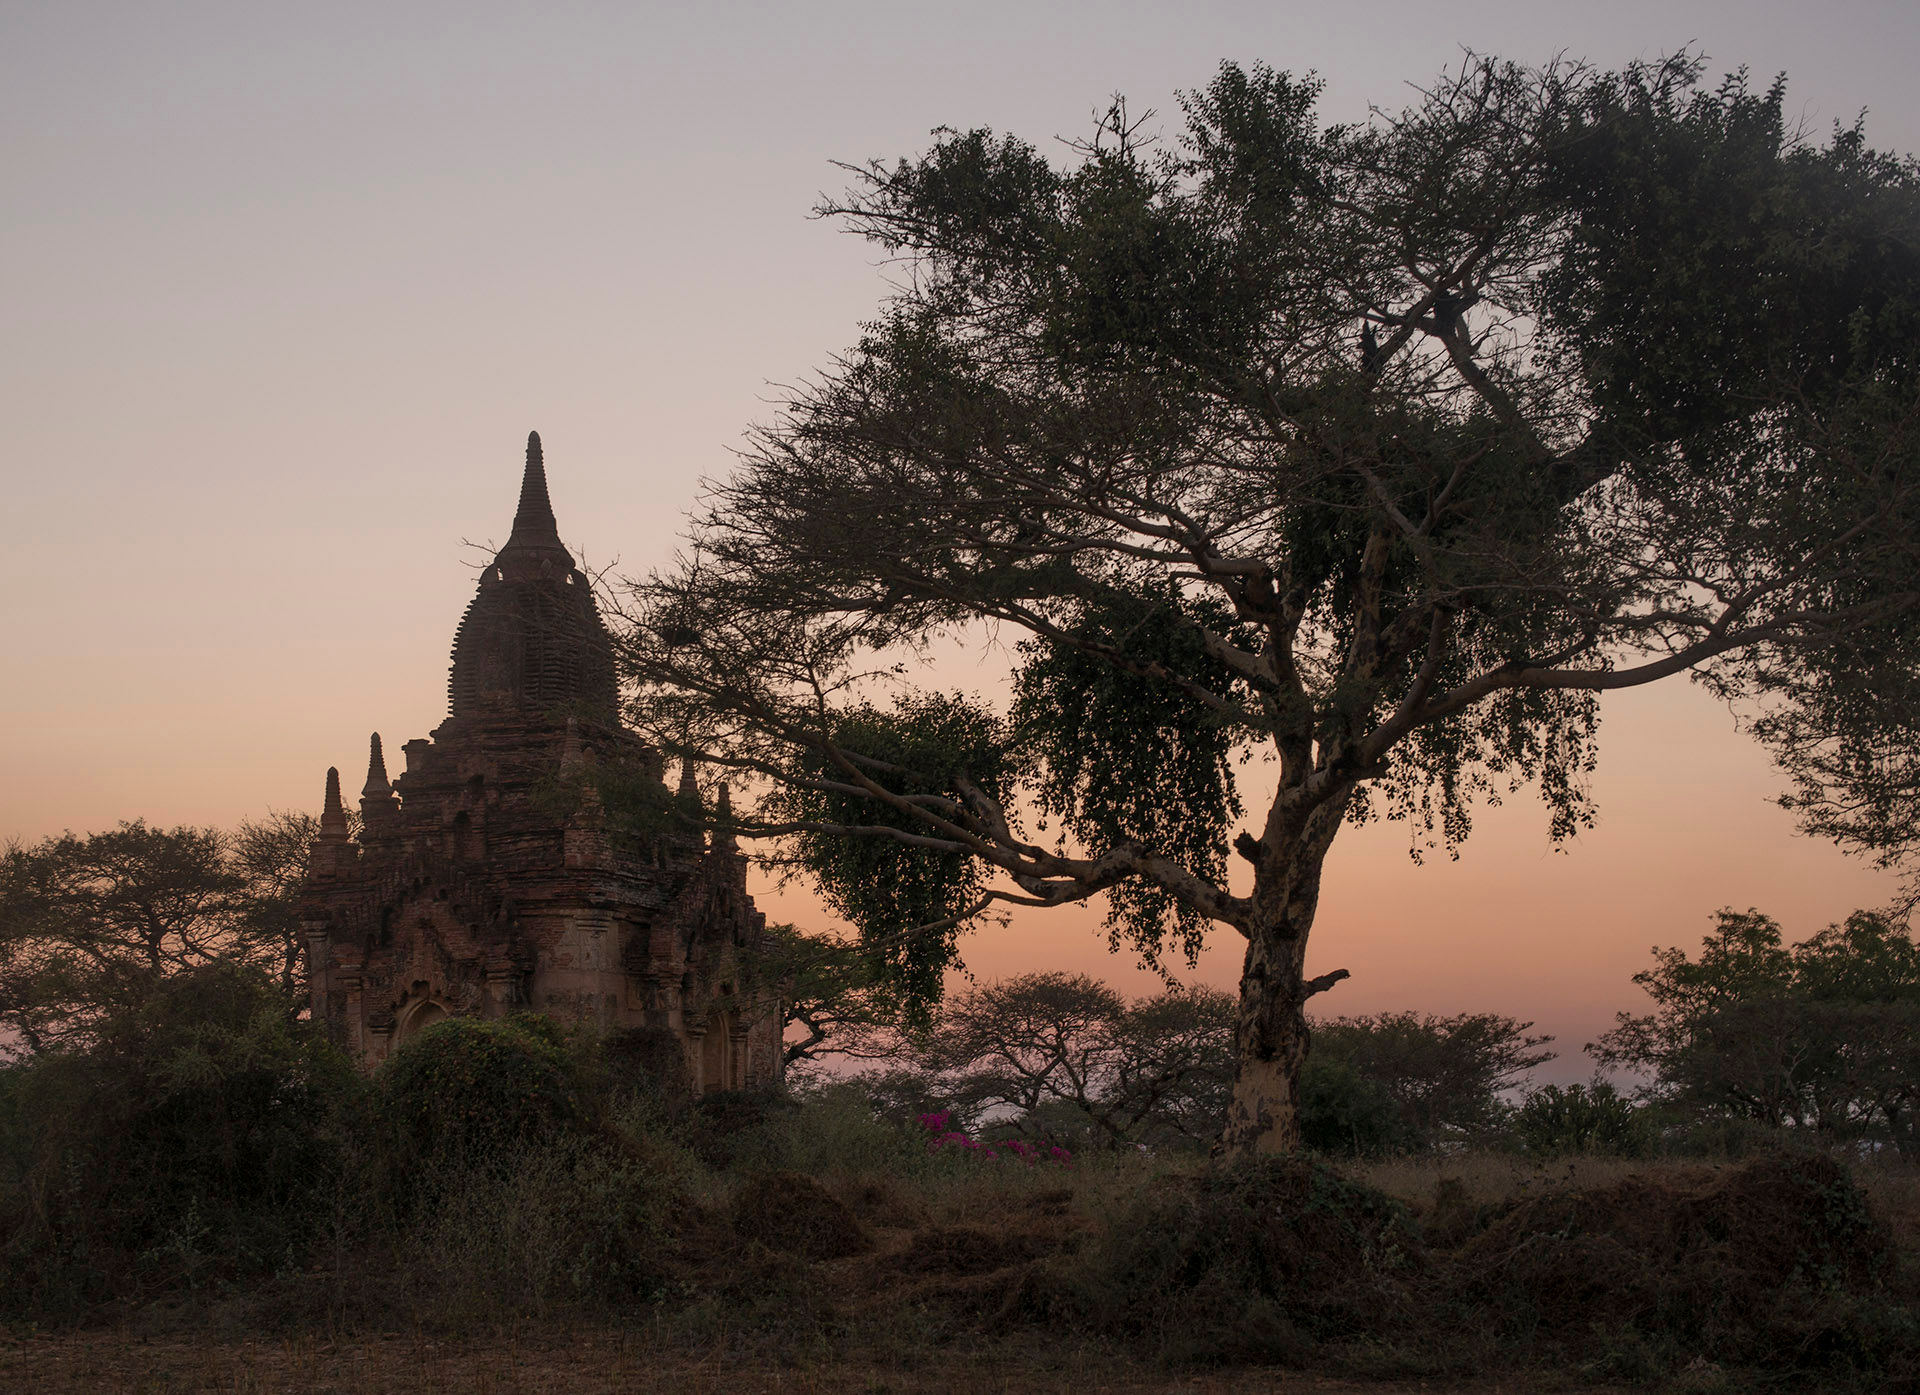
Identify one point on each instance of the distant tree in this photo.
(1594, 1118)
(1016, 1045)
(1173, 1076)
(1823, 1035)
(1379, 450)
(91, 925)
(1445, 1075)
(1054, 1053)
(830, 990)
(270, 856)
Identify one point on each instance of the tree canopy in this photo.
(91, 925)
(1374, 453)
(1823, 1035)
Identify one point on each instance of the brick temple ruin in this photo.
(486, 878)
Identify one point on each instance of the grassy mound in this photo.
(1252, 1262)
(1765, 1264)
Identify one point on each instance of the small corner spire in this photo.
(689, 786)
(533, 522)
(573, 754)
(378, 786)
(333, 814)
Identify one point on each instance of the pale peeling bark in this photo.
(1270, 1028)
(1270, 1039)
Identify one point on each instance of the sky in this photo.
(284, 288)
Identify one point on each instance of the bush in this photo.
(643, 1066)
(835, 1131)
(197, 1139)
(1345, 1114)
(1725, 1137)
(1592, 1118)
(736, 1129)
(470, 1092)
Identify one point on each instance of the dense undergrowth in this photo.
(211, 1166)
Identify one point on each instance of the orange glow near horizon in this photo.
(290, 288)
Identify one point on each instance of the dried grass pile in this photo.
(790, 1212)
(1778, 1263)
(1254, 1262)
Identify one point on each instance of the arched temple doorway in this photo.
(422, 1015)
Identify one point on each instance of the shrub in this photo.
(1344, 1113)
(469, 1092)
(1766, 1265)
(645, 1066)
(729, 1129)
(1724, 1137)
(195, 1139)
(835, 1131)
(564, 1224)
(1592, 1118)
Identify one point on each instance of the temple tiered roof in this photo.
(532, 642)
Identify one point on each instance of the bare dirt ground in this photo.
(606, 1364)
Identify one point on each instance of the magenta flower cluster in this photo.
(941, 1137)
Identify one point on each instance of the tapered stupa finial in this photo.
(333, 814)
(533, 523)
(573, 754)
(377, 786)
(689, 787)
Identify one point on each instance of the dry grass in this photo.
(613, 1363)
(1489, 1177)
(939, 1295)
(1484, 1178)
(1894, 1185)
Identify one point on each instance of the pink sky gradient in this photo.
(284, 293)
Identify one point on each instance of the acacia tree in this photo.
(1377, 451)
(91, 926)
(88, 926)
(1823, 1035)
(833, 1001)
(1044, 1052)
(1446, 1074)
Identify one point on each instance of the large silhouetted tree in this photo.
(1377, 452)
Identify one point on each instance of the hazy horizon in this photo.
(287, 291)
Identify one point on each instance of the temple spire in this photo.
(689, 787)
(533, 522)
(333, 815)
(723, 839)
(377, 786)
(379, 806)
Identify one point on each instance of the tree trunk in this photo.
(1270, 1028)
